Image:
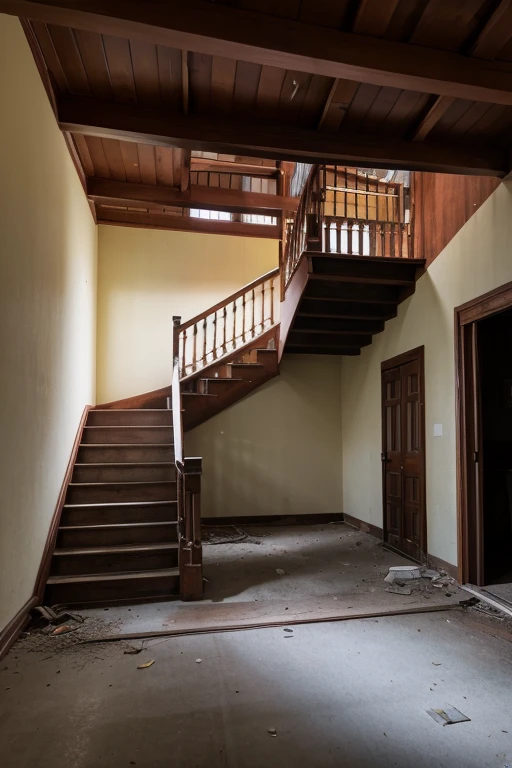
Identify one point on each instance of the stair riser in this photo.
(220, 387)
(136, 589)
(116, 536)
(92, 454)
(140, 418)
(122, 435)
(130, 474)
(113, 515)
(73, 565)
(105, 494)
(241, 372)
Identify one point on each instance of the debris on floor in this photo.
(448, 716)
(146, 664)
(403, 573)
(399, 589)
(280, 572)
(42, 616)
(64, 629)
(272, 731)
(226, 534)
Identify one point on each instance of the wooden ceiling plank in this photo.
(360, 106)
(315, 98)
(207, 198)
(185, 82)
(284, 9)
(199, 81)
(466, 122)
(269, 91)
(186, 223)
(94, 60)
(130, 157)
(84, 154)
(147, 163)
(407, 110)
(145, 72)
(247, 79)
(293, 93)
(202, 164)
(223, 83)
(212, 29)
(340, 97)
(324, 13)
(97, 153)
(495, 34)
(164, 166)
(112, 150)
(120, 67)
(447, 24)
(50, 55)
(380, 109)
(69, 55)
(210, 134)
(432, 116)
(373, 17)
(169, 76)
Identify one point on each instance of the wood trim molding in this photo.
(44, 568)
(483, 306)
(361, 525)
(241, 520)
(10, 632)
(405, 357)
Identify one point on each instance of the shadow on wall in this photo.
(278, 451)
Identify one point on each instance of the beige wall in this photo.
(47, 315)
(477, 260)
(278, 451)
(147, 276)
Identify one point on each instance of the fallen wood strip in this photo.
(214, 629)
(482, 596)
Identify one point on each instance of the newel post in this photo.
(191, 549)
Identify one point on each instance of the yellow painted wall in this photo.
(144, 278)
(477, 260)
(47, 315)
(278, 451)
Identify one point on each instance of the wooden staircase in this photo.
(130, 527)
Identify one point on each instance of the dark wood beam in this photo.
(208, 198)
(185, 223)
(432, 116)
(132, 123)
(496, 33)
(373, 16)
(220, 30)
(223, 166)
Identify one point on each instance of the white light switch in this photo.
(438, 430)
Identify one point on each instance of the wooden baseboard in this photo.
(442, 565)
(9, 634)
(373, 530)
(274, 520)
(51, 539)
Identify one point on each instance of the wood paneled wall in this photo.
(443, 203)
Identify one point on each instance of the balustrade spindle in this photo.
(262, 306)
(183, 353)
(204, 342)
(272, 302)
(253, 326)
(224, 348)
(243, 318)
(234, 324)
(215, 335)
(194, 350)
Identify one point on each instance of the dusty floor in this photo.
(350, 694)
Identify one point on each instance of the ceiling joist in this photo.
(109, 120)
(121, 193)
(219, 30)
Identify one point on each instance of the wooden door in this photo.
(403, 456)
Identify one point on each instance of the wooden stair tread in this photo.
(126, 445)
(128, 426)
(375, 259)
(128, 464)
(128, 482)
(117, 576)
(121, 504)
(220, 378)
(116, 526)
(246, 365)
(131, 410)
(115, 549)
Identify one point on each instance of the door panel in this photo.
(403, 458)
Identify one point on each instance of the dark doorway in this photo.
(484, 452)
(403, 454)
(495, 381)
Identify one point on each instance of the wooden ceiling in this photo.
(412, 84)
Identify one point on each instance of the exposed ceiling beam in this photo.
(209, 198)
(132, 123)
(373, 16)
(496, 33)
(185, 223)
(432, 116)
(220, 166)
(220, 30)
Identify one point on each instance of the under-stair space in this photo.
(345, 300)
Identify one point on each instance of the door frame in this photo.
(470, 518)
(418, 353)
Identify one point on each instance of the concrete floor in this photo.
(352, 695)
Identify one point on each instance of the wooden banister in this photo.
(188, 491)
